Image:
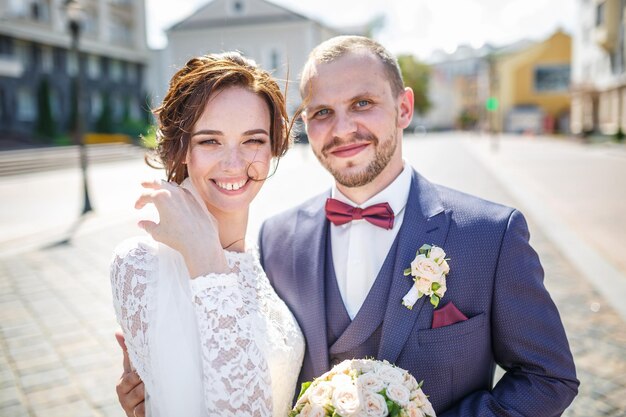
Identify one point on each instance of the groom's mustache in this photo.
(353, 139)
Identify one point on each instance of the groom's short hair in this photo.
(335, 48)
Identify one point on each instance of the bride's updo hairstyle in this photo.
(189, 92)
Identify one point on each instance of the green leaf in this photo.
(425, 249)
(434, 300)
(407, 272)
(435, 286)
(393, 408)
(305, 386)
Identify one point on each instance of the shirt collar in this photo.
(396, 193)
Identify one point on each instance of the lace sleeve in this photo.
(132, 272)
(236, 375)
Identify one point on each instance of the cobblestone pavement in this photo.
(58, 356)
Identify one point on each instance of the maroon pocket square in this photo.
(447, 315)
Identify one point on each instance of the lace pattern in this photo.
(251, 346)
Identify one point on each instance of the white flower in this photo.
(444, 266)
(346, 400)
(390, 374)
(413, 410)
(410, 382)
(341, 379)
(423, 267)
(320, 393)
(375, 405)
(312, 410)
(437, 254)
(370, 382)
(364, 365)
(398, 393)
(429, 274)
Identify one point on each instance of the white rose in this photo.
(398, 393)
(413, 410)
(346, 400)
(442, 287)
(437, 254)
(320, 393)
(341, 379)
(312, 410)
(364, 365)
(410, 382)
(390, 374)
(421, 401)
(424, 267)
(445, 268)
(375, 405)
(423, 285)
(370, 382)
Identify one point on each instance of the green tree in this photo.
(45, 127)
(417, 76)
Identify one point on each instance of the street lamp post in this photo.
(75, 16)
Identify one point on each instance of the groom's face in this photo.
(353, 119)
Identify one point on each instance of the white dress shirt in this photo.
(359, 248)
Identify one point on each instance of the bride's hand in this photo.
(184, 226)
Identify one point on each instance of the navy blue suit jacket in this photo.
(495, 279)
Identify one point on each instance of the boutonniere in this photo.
(429, 270)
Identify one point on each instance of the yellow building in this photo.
(532, 87)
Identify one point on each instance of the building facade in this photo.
(36, 64)
(457, 88)
(599, 68)
(278, 39)
(532, 86)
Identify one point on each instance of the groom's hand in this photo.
(130, 391)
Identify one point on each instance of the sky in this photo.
(415, 27)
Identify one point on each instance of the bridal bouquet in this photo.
(363, 387)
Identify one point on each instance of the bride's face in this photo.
(230, 144)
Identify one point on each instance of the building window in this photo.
(115, 70)
(93, 67)
(47, 61)
(6, 46)
(39, 10)
(238, 7)
(117, 107)
(553, 78)
(72, 64)
(59, 59)
(120, 32)
(26, 106)
(96, 105)
(600, 10)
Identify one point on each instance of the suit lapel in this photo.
(425, 221)
(309, 257)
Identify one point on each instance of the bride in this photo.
(205, 331)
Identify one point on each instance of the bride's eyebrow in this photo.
(255, 132)
(208, 132)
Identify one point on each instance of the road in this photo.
(57, 353)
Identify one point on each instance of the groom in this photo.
(343, 280)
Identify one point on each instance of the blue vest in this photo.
(358, 338)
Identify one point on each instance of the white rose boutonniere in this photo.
(429, 270)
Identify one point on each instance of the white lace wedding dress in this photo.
(221, 344)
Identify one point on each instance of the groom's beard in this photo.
(383, 153)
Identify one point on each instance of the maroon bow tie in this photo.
(339, 213)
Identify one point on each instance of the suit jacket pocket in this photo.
(449, 333)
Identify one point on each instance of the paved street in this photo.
(58, 356)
